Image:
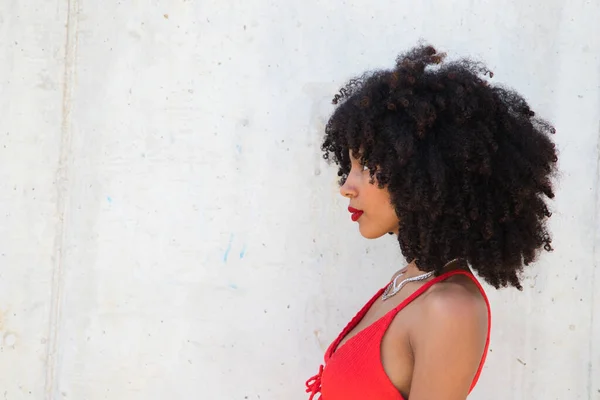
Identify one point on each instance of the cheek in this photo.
(381, 204)
(388, 209)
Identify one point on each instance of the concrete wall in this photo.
(168, 229)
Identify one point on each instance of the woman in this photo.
(460, 171)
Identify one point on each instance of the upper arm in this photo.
(447, 345)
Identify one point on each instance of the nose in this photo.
(348, 189)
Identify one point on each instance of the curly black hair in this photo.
(468, 165)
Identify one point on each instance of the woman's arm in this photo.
(448, 345)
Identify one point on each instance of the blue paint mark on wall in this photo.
(233, 286)
(243, 252)
(228, 248)
(238, 148)
(109, 199)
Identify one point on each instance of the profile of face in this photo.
(370, 206)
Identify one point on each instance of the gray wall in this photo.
(168, 229)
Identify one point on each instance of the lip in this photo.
(356, 214)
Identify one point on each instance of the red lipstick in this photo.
(355, 213)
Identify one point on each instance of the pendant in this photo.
(393, 288)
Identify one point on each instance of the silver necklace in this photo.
(394, 287)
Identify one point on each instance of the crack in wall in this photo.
(594, 349)
(62, 191)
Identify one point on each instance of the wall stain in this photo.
(226, 254)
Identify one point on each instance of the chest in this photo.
(384, 332)
(379, 309)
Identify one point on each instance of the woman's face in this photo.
(369, 206)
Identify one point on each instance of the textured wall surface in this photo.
(168, 229)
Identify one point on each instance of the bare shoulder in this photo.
(455, 305)
(456, 294)
(448, 340)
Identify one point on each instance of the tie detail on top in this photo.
(313, 385)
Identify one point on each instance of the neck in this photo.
(412, 269)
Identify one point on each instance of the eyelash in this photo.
(343, 177)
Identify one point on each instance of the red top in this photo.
(354, 371)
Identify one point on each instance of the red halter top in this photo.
(355, 371)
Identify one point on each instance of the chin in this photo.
(370, 234)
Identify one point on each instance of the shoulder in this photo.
(457, 297)
(455, 307)
(448, 339)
